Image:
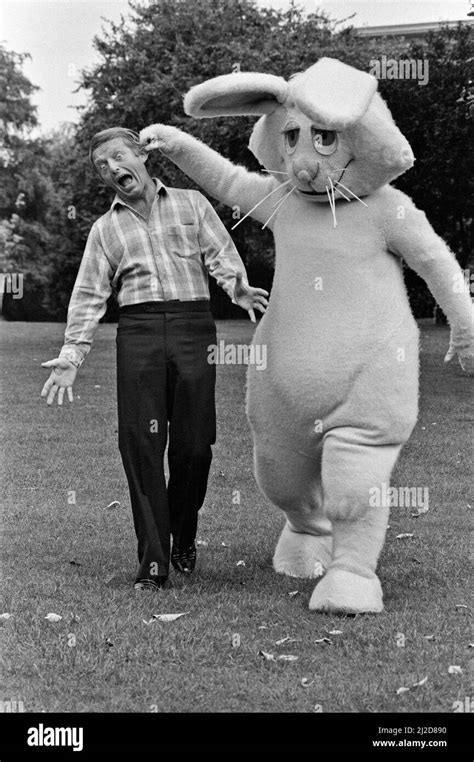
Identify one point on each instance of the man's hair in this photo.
(128, 136)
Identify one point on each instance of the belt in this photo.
(175, 305)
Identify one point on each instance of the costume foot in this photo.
(344, 592)
(302, 555)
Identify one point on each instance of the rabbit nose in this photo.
(304, 175)
(305, 171)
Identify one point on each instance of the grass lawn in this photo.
(78, 559)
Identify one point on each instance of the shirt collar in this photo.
(160, 188)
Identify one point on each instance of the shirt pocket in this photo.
(183, 240)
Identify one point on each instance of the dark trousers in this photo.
(165, 385)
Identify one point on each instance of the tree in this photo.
(439, 128)
(24, 190)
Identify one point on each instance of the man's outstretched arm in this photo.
(87, 305)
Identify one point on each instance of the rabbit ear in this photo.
(242, 93)
(333, 94)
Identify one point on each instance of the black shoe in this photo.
(155, 583)
(184, 559)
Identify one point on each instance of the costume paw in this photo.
(466, 360)
(344, 592)
(161, 136)
(462, 346)
(302, 555)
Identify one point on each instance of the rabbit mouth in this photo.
(312, 193)
(323, 193)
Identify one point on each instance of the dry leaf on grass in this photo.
(285, 640)
(404, 536)
(454, 669)
(4, 616)
(420, 683)
(306, 682)
(282, 657)
(266, 655)
(202, 543)
(335, 632)
(111, 506)
(323, 640)
(429, 637)
(53, 617)
(240, 563)
(164, 617)
(293, 593)
(404, 688)
(461, 606)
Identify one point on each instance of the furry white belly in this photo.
(333, 372)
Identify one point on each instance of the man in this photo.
(156, 246)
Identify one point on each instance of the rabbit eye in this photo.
(291, 139)
(324, 141)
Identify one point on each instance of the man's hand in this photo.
(249, 298)
(62, 377)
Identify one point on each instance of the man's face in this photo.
(121, 169)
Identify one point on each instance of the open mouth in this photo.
(125, 180)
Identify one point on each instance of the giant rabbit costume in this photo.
(339, 396)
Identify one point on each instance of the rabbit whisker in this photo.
(260, 202)
(342, 194)
(332, 204)
(333, 198)
(275, 172)
(281, 202)
(338, 182)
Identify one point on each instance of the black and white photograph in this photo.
(237, 360)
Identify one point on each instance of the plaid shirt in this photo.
(167, 258)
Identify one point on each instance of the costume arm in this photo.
(230, 183)
(409, 234)
(88, 301)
